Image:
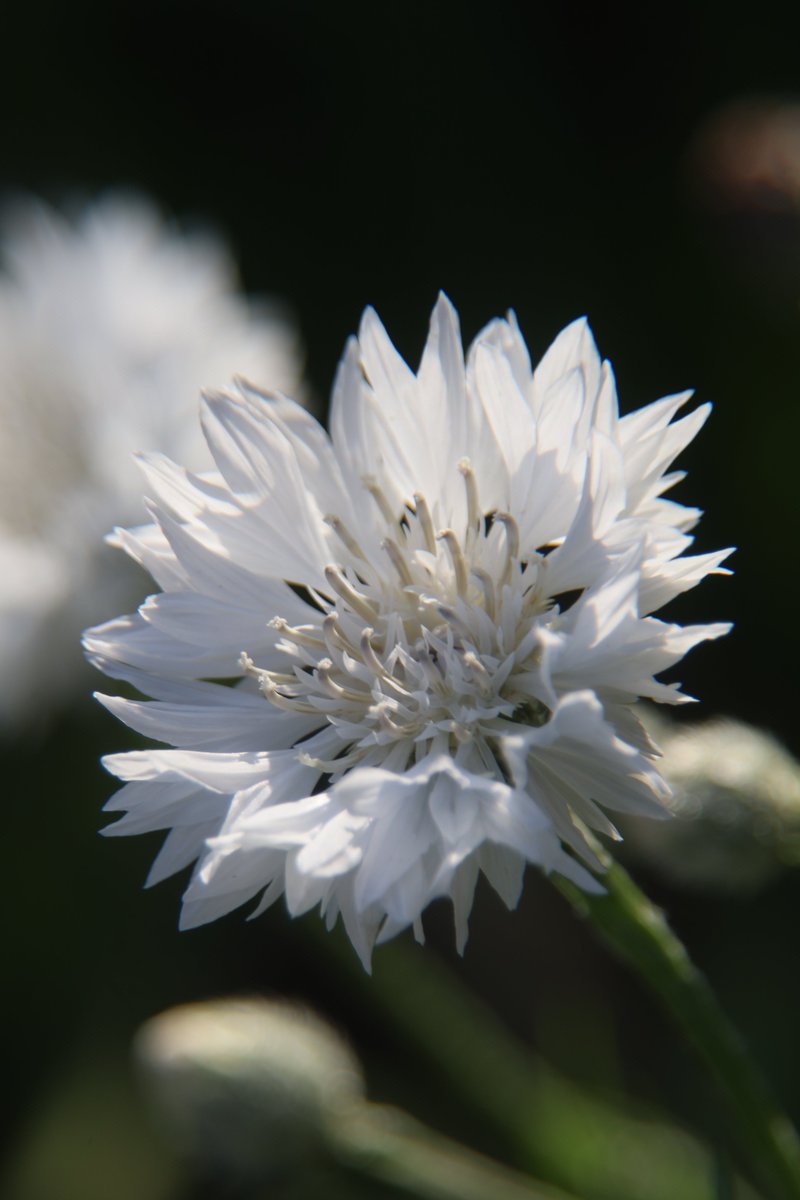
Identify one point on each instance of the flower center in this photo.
(431, 648)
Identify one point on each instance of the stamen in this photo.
(380, 713)
(398, 561)
(380, 669)
(471, 660)
(487, 587)
(457, 558)
(296, 633)
(473, 504)
(264, 677)
(425, 522)
(379, 496)
(512, 544)
(511, 527)
(368, 653)
(330, 766)
(270, 691)
(247, 664)
(335, 638)
(345, 591)
(344, 535)
(323, 675)
(280, 678)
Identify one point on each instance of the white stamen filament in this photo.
(297, 633)
(457, 558)
(474, 516)
(333, 688)
(345, 591)
(512, 544)
(345, 536)
(423, 514)
(379, 496)
(398, 561)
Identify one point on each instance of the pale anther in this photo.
(271, 692)
(425, 521)
(471, 660)
(379, 496)
(381, 711)
(265, 678)
(368, 653)
(332, 687)
(511, 527)
(344, 535)
(457, 558)
(398, 561)
(280, 678)
(380, 669)
(473, 504)
(335, 637)
(345, 591)
(512, 544)
(295, 633)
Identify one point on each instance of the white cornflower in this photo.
(109, 326)
(439, 623)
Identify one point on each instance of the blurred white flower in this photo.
(109, 326)
(439, 621)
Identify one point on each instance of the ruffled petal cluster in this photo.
(409, 653)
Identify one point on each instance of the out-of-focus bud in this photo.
(736, 797)
(747, 155)
(248, 1089)
(743, 173)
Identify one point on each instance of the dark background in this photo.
(558, 159)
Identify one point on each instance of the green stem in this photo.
(387, 1146)
(550, 1125)
(639, 933)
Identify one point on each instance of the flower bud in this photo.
(247, 1088)
(736, 792)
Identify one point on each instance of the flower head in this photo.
(439, 624)
(109, 325)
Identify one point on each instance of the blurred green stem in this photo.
(386, 1145)
(639, 933)
(555, 1128)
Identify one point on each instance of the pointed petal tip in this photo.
(579, 325)
(369, 318)
(444, 309)
(365, 959)
(352, 351)
(189, 918)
